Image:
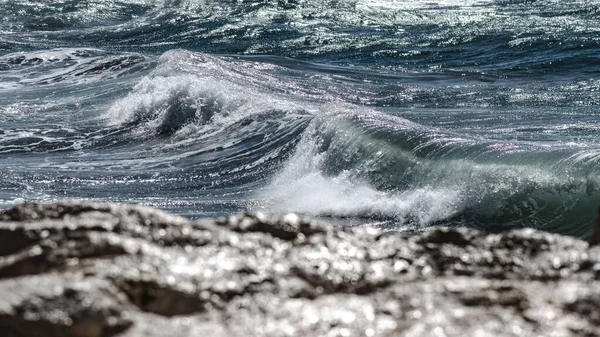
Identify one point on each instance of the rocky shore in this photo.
(91, 270)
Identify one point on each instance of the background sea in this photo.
(400, 114)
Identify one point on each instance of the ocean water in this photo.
(398, 114)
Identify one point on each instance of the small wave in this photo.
(74, 66)
(37, 140)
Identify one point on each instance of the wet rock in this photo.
(88, 269)
(595, 237)
(61, 305)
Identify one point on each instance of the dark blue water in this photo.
(401, 114)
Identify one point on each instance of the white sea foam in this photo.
(196, 93)
(318, 195)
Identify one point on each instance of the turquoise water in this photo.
(399, 114)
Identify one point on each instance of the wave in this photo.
(74, 66)
(192, 96)
(404, 176)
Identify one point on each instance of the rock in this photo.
(98, 270)
(595, 237)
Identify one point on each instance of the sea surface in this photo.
(398, 114)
